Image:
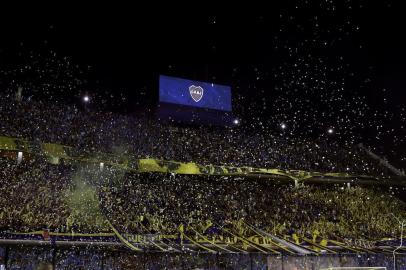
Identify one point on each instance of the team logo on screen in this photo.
(196, 92)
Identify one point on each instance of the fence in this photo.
(32, 258)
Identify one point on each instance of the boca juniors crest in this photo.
(196, 92)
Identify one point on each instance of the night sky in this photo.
(312, 65)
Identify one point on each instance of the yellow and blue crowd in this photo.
(36, 195)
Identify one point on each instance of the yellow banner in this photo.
(56, 152)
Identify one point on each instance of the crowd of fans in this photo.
(143, 136)
(209, 204)
(76, 198)
(32, 195)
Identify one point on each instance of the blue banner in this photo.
(194, 93)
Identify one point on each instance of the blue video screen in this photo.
(194, 93)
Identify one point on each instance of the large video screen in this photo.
(194, 93)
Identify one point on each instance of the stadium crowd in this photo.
(32, 195)
(76, 198)
(142, 136)
(208, 204)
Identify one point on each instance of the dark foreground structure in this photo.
(94, 258)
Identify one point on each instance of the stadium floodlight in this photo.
(19, 157)
(236, 121)
(86, 98)
(283, 125)
(330, 131)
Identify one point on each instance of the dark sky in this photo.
(313, 65)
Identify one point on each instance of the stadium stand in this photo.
(181, 214)
(145, 137)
